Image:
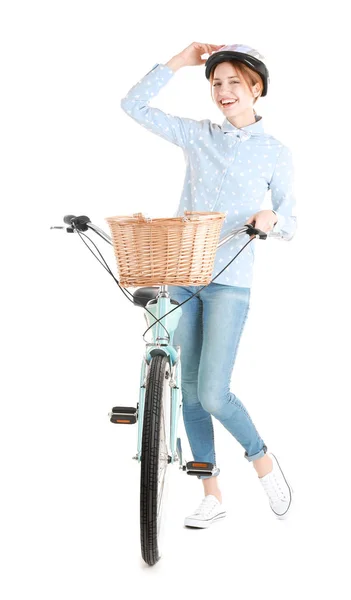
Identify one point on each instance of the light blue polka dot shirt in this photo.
(227, 169)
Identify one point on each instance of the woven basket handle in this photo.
(194, 217)
(139, 216)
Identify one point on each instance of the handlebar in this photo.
(83, 223)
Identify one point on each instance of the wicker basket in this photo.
(174, 251)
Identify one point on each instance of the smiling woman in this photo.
(239, 87)
(240, 73)
(230, 167)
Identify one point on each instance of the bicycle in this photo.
(160, 398)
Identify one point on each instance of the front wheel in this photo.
(154, 457)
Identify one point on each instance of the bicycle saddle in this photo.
(142, 295)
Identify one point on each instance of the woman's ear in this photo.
(256, 89)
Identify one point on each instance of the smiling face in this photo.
(229, 84)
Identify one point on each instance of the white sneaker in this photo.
(209, 510)
(278, 490)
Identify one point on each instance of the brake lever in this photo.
(80, 223)
(68, 229)
(254, 231)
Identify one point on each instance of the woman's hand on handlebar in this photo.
(263, 219)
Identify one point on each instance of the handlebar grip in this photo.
(79, 223)
(255, 231)
(67, 219)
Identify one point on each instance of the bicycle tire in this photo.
(154, 457)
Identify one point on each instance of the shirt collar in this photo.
(244, 132)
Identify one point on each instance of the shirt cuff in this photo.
(154, 67)
(280, 222)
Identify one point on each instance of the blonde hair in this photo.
(248, 75)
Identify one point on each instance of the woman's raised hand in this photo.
(191, 55)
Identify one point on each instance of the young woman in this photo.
(230, 167)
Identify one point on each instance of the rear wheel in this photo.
(154, 457)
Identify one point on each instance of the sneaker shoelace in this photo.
(206, 506)
(272, 488)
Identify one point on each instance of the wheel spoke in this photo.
(163, 452)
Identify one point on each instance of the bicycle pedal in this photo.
(125, 415)
(199, 468)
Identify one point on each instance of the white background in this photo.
(72, 343)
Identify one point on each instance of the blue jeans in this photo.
(208, 334)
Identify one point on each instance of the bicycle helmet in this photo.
(250, 57)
